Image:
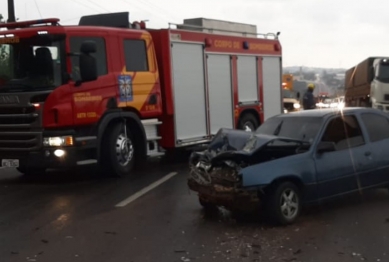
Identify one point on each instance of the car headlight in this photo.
(296, 105)
(285, 111)
(58, 141)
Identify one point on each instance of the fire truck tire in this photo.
(31, 171)
(118, 151)
(248, 121)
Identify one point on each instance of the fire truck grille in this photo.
(20, 141)
(18, 129)
(17, 117)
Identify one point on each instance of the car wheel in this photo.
(284, 203)
(118, 151)
(31, 171)
(248, 122)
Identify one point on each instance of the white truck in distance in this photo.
(367, 84)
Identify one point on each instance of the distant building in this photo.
(340, 76)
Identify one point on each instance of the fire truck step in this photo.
(154, 138)
(155, 154)
(87, 162)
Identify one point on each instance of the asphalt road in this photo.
(77, 216)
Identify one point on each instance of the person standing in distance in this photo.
(308, 99)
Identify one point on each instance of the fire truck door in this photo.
(220, 92)
(189, 91)
(247, 80)
(272, 86)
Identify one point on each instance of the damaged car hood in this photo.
(238, 145)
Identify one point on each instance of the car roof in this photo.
(329, 112)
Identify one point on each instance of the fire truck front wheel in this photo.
(248, 122)
(118, 151)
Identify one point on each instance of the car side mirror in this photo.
(323, 147)
(88, 66)
(298, 95)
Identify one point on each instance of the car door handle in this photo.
(368, 153)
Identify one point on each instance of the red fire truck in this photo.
(111, 92)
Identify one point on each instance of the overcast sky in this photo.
(320, 33)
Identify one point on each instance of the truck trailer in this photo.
(367, 84)
(111, 92)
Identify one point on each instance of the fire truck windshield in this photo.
(30, 64)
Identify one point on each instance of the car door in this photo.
(337, 171)
(377, 128)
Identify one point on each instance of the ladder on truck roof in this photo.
(29, 23)
(211, 30)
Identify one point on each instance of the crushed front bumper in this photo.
(227, 196)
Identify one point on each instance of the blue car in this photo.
(293, 159)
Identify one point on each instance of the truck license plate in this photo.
(10, 162)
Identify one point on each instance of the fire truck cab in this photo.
(110, 92)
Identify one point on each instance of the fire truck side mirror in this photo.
(88, 66)
(88, 47)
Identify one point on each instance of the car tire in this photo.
(248, 121)
(118, 151)
(284, 203)
(31, 171)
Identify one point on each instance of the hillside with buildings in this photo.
(328, 81)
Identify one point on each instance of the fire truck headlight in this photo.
(296, 105)
(58, 141)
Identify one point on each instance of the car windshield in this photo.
(32, 63)
(300, 128)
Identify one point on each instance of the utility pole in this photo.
(11, 11)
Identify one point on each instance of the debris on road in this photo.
(298, 251)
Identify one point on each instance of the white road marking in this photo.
(145, 190)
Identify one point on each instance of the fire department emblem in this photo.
(125, 88)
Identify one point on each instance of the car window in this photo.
(301, 128)
(377, 126)
(344, 132)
